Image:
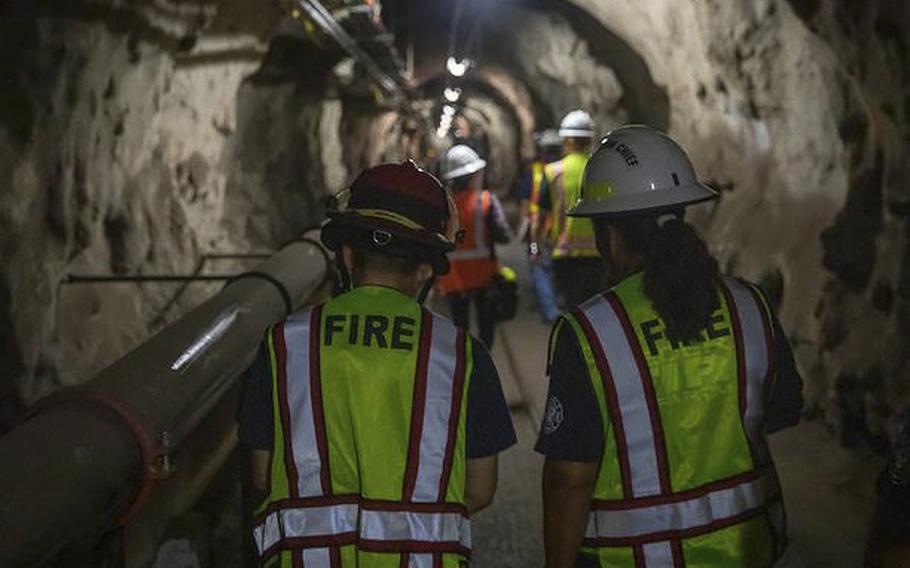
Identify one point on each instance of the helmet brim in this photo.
(644, 202)
(575, 133)
(415, 237)
(466, 170)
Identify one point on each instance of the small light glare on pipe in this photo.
(458, 68)
(452, 94)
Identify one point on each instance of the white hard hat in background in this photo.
(577, 124)
(637, 169)
(460, 161)
(548, 138)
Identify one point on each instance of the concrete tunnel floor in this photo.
(828, 491)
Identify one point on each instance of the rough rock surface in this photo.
(126, 151)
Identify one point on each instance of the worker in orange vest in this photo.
(473, 263)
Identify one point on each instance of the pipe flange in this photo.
(154, 446)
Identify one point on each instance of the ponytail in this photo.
(680, 275)
(681, 279)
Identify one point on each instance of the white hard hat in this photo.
(460, 161)
(577, 124)
(637, 169)
(548, 138)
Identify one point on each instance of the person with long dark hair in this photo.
(663, 387)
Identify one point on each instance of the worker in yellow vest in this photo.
(473, 262)
(662, 388)
(374, 424)
(577, 269)
(549, 147)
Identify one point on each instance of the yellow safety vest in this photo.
(686, 478)
(537, 174)
(368, 466)
(572, 237)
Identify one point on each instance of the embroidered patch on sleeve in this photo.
(554, 416)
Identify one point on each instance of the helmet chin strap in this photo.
(345, 285)
(425, 289)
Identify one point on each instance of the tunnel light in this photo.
(448, 110)
(442, 132)
(452, 94)
(458, 68)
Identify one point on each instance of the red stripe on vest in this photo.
(395, 506)
(296, 545)
(679, 559)
(612, 401)
(412, 547)
(660, 443)
(322, 444)
(740, 367)
(417, 406)
(281, 366)
(454, 413)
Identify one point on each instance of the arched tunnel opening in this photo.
(154, 152)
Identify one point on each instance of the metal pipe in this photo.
(140, 278)
(76, 465)
(325, 20)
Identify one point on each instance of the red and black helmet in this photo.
(398, 210)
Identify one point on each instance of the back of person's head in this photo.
(366, 262)
(680, 275)
(396, 216)
(548, 145)
(639, 182)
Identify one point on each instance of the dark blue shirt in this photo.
(488, 429)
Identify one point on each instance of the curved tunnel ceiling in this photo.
(536, 48)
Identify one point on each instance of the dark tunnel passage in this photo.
(196, 137)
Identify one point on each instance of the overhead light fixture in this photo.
(458, 68)
(452, 94)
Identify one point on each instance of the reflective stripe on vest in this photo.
(392, 529)
(479, 248)
(754, 349)
(317, 521)
(650, 517)
(314, 520)
(683, 514)
(383, 526)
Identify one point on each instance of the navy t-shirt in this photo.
(488, 429)
(572, 429)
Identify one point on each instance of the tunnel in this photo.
(152, 151)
